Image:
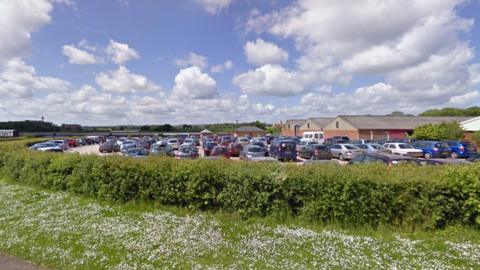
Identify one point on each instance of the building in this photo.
(249, 131)
(205, 133)
(8, 133)
(372, 127)
(315, 124)
(471, 125)
(291, 127)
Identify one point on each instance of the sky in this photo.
(115, 62)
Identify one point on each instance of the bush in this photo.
(431, 197)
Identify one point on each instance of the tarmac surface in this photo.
(11, 263)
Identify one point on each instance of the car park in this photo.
(383, 158)
(251, 151)
(161, 149)
(220, 150)
(186, 151)
(462, 149)
(315, 151)
(433, 149)
(403, 149)
(345, 151)
(284, 150)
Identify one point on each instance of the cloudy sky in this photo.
(205, 61)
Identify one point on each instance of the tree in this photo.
(476, 137)
(273, 130)
(145, 128)
(472, 111)
(442, 131)
(397, 113)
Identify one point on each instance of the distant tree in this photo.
(145, 128)
(442, 131)
(397, 113)
(472, 111)
(273, 130)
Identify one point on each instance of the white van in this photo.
(314, 136)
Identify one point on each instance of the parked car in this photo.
(475, 158)
(345, 151)
(174, 143)
(263, 145)
(433, 149)
(137, 152)
(313, 136)
(72, 143)
(384, 158)
(221, 151)
(92, 140)
(315, 151)
(61, 143)
(46, 147)
(337, 140)
(303, 143)
(109, 147)
(225, 140)
(186, 151)
(130, 145)
(252, 151)
(161, 149)
(283, 150)
(371, 148)
(189, 141)
(462, 149)
(243, 141)
(81, 141)
(234, 149)
(207, 148)
(403, 149)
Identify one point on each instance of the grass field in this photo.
(63, 231)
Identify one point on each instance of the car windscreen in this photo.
(255, 149)
(405, 146)
(376, 146)
(350, 147)
(441, 145)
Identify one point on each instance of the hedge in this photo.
(430, 197)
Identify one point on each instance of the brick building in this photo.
(291, 127)
(372, 127)
(315, 124)
(249, 131)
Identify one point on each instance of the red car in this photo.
(234, 149)
(72, 143)
(220, 151)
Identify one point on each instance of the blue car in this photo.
(462, 149)
(433, 149)
(284, 150)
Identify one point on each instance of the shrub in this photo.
(432, 197)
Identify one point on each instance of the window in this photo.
(316, 135)
(308, 125)
(288, 126)
(337, 124)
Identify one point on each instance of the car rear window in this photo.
(405, 146)
(287, 146)
(376, 146)
(255, 149)
(351, 147)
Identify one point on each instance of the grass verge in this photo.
(62, 231)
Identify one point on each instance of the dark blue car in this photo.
(284, 150)
(433, 149)
(462, 149)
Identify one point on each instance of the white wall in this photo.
(471, 124)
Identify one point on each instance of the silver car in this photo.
(174, 143)
(372, 148)
(345, 151)
(252, 151)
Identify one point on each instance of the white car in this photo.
(174, 143)
(243, 141)
(403, 149)
(61, 143)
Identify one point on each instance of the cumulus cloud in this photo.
(123, 81)
(78, 57)
(120, 53)
(261, 53)
(270, 80)
(222, 67)
(20, 80)
(192, 83)
(192, 59)
(17, 25)
(215, 6)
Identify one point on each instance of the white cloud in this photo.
(79, 57)
(17, 25)
(223, 67)
(262, 53)
(215, 6)
(191, 83)
(465, 99)
(270, 80)
(123, 81)
(192, 59)
(20, 80)
(120, 53)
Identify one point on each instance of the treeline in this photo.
(472, 111)
(30, 126)
(216, 128)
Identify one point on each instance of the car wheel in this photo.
(341, 157)
(428, 155)
(454, 155)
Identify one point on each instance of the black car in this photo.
(315, 151)
(388, 159)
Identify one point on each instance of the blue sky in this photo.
(205, 61)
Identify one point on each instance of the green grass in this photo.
(62, 231)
